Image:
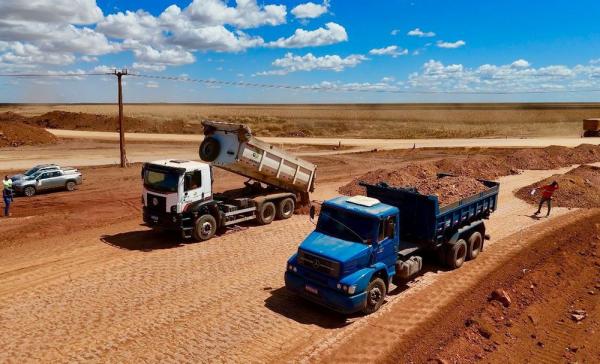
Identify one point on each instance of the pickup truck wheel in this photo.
(475, 245)
(70, 185)
(285, 208)
(375, 296)
(205, 228)
(29, 191)
(209, 149)
(456, 254)
(266, 213)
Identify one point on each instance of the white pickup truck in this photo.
(178, 194)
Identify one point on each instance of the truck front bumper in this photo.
(167, 221)
(324, 296)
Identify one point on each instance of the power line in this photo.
(353, 89)
(52, 74)
(334, 88)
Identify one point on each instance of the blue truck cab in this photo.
(362, 244)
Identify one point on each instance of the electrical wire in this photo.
(332, 88)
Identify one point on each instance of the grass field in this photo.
(362, 120)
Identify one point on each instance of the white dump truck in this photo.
(178, 194)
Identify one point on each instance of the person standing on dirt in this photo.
(7, 195)
(547, 192)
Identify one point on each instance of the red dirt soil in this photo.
(580, 187)
(548, 283)
(96, 122)
(14, 132)
(479, 166)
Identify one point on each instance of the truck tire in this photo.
(204, 228)
(376, 292)
(475, 245)
(285, 208)
(70, 186)
(209, 149)
(266, 213)
(456, 254)
(29, 191)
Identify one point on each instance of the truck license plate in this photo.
(154, 218)
(312, 290)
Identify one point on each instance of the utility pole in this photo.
(119, 75)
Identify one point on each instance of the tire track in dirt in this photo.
(220, 300)
(508, 226)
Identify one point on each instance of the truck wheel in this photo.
(70, 185)
(285, 208)
(475, 245)
(375, 296)
(266, 213)
(456, 254)
(29, 191)
(205, 228)
(209, 149)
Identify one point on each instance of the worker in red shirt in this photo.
(547, 192)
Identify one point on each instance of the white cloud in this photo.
(309, 62)
(152, 84)
(138, 25)
(331, 34)
(392, 50)
(310, 10)
(517, 76)
(89, 59)
(151, 67)
(451, 45)
(247, 13)
(51, 11)
(355, 86)
(421, 34)
(395, 32)
(520, 63)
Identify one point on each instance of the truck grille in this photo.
(318, 263)
(156, 203)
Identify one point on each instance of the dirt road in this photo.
(108, 289)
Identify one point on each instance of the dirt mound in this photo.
(579, 187)
(96, 122)
(481, 166)
(14, 132)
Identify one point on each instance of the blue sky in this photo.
(386, 51)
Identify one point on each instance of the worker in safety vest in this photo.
(547, 192)
(7, 195)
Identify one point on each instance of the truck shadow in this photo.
(429, 266)
(302, 311)
(145, 241)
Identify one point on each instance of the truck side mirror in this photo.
(312, 212)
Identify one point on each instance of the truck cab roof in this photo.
(180, 164)
(363, 205)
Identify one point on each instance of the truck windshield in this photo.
(162, 181)
(344, 225)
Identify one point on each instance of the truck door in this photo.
(44, 181)
(193, 187)
(385, 251)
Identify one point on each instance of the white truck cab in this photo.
(170, 185)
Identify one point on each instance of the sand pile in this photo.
(14, 132)
(579, 187)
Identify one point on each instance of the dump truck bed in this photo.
(241, 153)
(422, 220)
(591, 124)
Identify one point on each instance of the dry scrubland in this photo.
(356, 120)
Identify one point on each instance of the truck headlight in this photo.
(292, 268)
(339, 286)
(351, 289)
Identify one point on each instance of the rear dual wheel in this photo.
(285, 208)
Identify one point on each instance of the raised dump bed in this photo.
(591, 127)
(233, 147)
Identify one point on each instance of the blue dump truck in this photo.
(361, 244)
